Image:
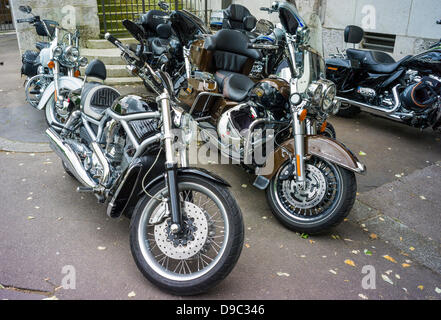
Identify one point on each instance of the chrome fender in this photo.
(319, 146)
(70, 83)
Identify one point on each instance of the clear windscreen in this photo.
(315, 33)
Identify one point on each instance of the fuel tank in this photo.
(428, 62)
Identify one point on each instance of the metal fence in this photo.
(6, 23)
(113, 12)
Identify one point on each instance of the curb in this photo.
(428, 252)
(25, 147)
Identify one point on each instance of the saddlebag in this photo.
(30, 63)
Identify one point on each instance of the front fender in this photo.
(319, 146)
(69, 83)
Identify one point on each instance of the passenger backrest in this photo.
(230, 51)
(238, 17)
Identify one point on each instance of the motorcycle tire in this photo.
(348, 111)
(329, 197)
(193, 247)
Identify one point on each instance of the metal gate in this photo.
(112, 12)
(6, 23)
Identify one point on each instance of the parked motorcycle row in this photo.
(247, 86)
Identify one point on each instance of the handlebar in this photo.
(262, 46)
(438, 22)
(30, 20)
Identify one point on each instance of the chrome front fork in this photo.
(171, 165)
(187, 62)
(299, 146)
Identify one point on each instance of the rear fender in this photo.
(69, 83)
(319, 146)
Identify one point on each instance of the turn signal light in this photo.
(323, 127)
(51, 64)
(77, 74)
(303, 115)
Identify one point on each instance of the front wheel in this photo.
(324, 202)
(203, 253)
(57, 117)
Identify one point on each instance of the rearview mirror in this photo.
(25, 9)
(134, 29)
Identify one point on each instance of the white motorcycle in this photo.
(52, 71)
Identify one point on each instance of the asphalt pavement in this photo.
(45, 226)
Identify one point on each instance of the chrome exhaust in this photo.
(70, 158)
(387, 112)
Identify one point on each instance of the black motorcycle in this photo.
(165, 36)
(407, 91)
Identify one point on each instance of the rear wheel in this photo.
(325, 201)
(203, 253)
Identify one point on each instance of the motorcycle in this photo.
(309, 177)
(52, 71)
(186, 231)
(407, 91)
(164, 37)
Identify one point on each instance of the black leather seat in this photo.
(375, 61)
(40, 45)
(231, 55)
(238, 17)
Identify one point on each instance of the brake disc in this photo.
(194, 241)
(312, 194)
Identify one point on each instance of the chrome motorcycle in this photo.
(53, 71)
(186, 231)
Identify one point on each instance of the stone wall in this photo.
(412, 21)
(70, 14)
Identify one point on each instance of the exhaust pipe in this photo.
(70, 158)
(389, 113)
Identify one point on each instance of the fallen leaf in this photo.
(361, 153)
(30, 217)
(362, 296)
(283, 274)
(367, 252)
(420, 287)
(405, 265)
(373, 236)
(311, 241)
(411, 248)
(423, 198)
(29, 198)
(244, 186)
(247, 245)
(102, 248)
(438, 290)
(264, 217)
(387, 279)
(397, 276)
(387, 257)
(355, 251)
(350, 262)
(332, 271)
(388, 272)
(131, 294)
(51, 298)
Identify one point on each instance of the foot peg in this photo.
(84, 190)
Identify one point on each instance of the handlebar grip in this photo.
(264, 9)
(111, 38)
(438, 22)
(25, 20)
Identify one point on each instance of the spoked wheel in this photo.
(329, 131)
(56, 117)
(324, 202)
(203, 253)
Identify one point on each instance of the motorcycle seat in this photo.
(234, 86)
(374, 61)
(40, 45)
(96, 98)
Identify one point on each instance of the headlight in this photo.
(315, 92)
(329, 96)
(72, 54)
(58, 51)
(83, 61)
